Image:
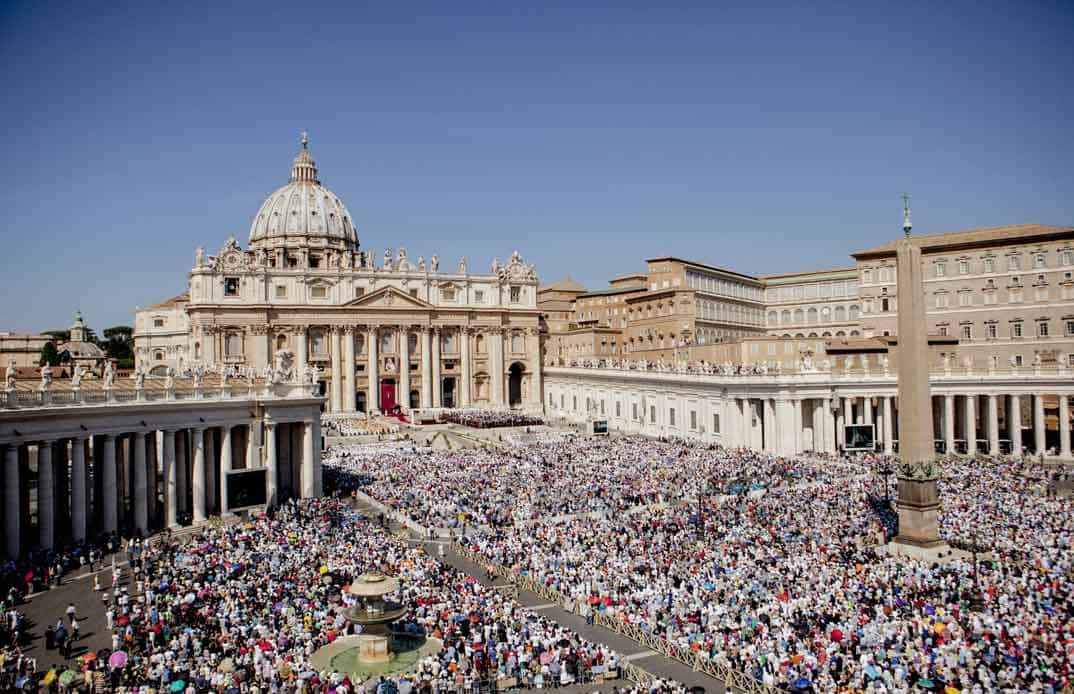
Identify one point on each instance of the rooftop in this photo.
(564, 285)
(985, 236)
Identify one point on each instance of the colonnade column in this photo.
(307, 484)
(426, 367)
(889, 430)
(403, 397)
(867, 403)
(1064, 427)
(373, 393)
(337, 370)
(465, 388)
(171, 502)
(301, 353)
(348, 369)
(437, 380)
(949, 424)
(533, 339)
(825, 426)
(1040, 445)
(46, 496)
(271, 471)
(1014, 425)
(318, 482)
(210, 469)
(225, 466)
(971, 424)
(138, 474)
(78, 489)
(496, 366)
(12, 517)
(840, 424)
(799, 427)
(770, 441)
(106, 468)
(198, 474)
(993, 425)
(747, 423)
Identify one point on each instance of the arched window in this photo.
(233, 344)
(773, 318)
(517, 342)
(799, 316)
(450, 342)
(197, 350)
(158, 355)
(281, 342)
(479, 344)
(811, 316)
(318, 345)
(785, 317)
(840, 314)
(387, 343)
(855, 311)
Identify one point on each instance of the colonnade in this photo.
(77, 487)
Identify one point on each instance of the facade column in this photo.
(46, 496)
(307, 482)
(889, 430)
(78, 489)
(867, 403)
(496, 367)
(225, 466)
(210, 470)
(848, 415)
(171, 486)
(1064, 427)
(533, 356)
(799, 427)
(824, 446)
(1040, 445)
(373, 396)
(253, 445)
(438, 385)
(426, 367)
(182, 479)
(970, 431)
(348, 369)
(109, 491)
(270, 463)
(403, 397)
(840, 425)
(337, 370)
(12, 498)
(198, 474)
(1014, 424)
(949, 424)
(318, 481)
(769, 442)
(301, 351)
(993, 425)
(138, 475)
(466, 388)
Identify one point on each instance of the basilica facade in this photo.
(381, 332)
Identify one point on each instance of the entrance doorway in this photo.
(415, 399)
(514, 384)
(448, 394)
(387, 395)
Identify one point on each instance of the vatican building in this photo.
(375, 331)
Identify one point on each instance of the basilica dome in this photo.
(303, 212)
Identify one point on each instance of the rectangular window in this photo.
(602, 407)
(991, 331)
(990, 265)
(315, 261)
(1014, 263)
(414, 293)
(963, 298)
(1038, 261)
(359, 292)
(943, 330)
(1018, 360)
(941, 300)
(281, 291)
(693, 420)
(318, 292)
(963, 267)
(941, 269)
(231, 286)
(671, 416)
(618, 409)
(1016, 330)
(634, 411)
(1070, 327)
(516, 294)
(715, 424)
(158, 322)
(1042, 329)
(967, 332)
(445, 293)
(652, 414)
(1068, 257)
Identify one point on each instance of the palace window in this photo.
(943, 330)
(964, 298)
(1067, 257)
(671, 416)
(967, 332)
(1016, 330)
(447, 294)
(158, 355)
(158, 322)
(941, 269)
(991, 328)
(517, 343)
(693, 420)
(315, 261)
(359, 292)
(1039, 261)
(281, 291)
(233, 345)
(231, 286)
(1014, 263)
(450, 343)
(516, 294)
(1070, 327)
(1018, 360)
(715, 424)
(479, 297)
(387, 343)
(652, 414)
(989, 264)
(318, 292)
(963, 267)
(618, 409)
(1042, 329)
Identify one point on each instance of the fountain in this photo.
(376, 650)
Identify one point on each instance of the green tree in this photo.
(61, 335)
(49, 355)
(118, 343)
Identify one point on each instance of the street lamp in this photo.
(886, 470)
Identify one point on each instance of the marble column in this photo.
(799, 426)
(318, 482)
(301, 350)
(840, 426)
(337, 371)
(1064, 427)
(867, 403)
(499, 397)
(770, 442)
(426, 367)
(348, 370)
(826, 427)
(46, 496)
(1014, 424)
(848, 416)
(438, 385)
(253, 445)
(171, 486)
(373, 395)
(198, 474)
(403, 396)
(993, 425)
(466, 388)
(109, 489)
(889, 434)
(308, 486)
(225, 466)
(78, 489)
(12, 517)
(210, 470)
(949, 424)
(1040, 445)
(971, 424)
(271, 482)
(138, 475)
(182, 480)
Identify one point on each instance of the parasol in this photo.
(117, 659)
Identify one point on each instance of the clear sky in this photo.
(764, 137)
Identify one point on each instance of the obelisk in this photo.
(917, 472)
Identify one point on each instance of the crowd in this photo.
(364, 426)
(772, 567)
(248, 605)
(488, 419)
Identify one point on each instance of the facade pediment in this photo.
(388, 297)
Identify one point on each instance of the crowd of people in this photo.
(489, 419)
(248, 606)
(773, 567)
(359, 426)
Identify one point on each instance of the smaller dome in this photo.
(303, 210)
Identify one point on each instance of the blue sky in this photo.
(765, 137)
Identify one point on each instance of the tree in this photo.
(61, 335)
(49, 355)
(118, 344)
